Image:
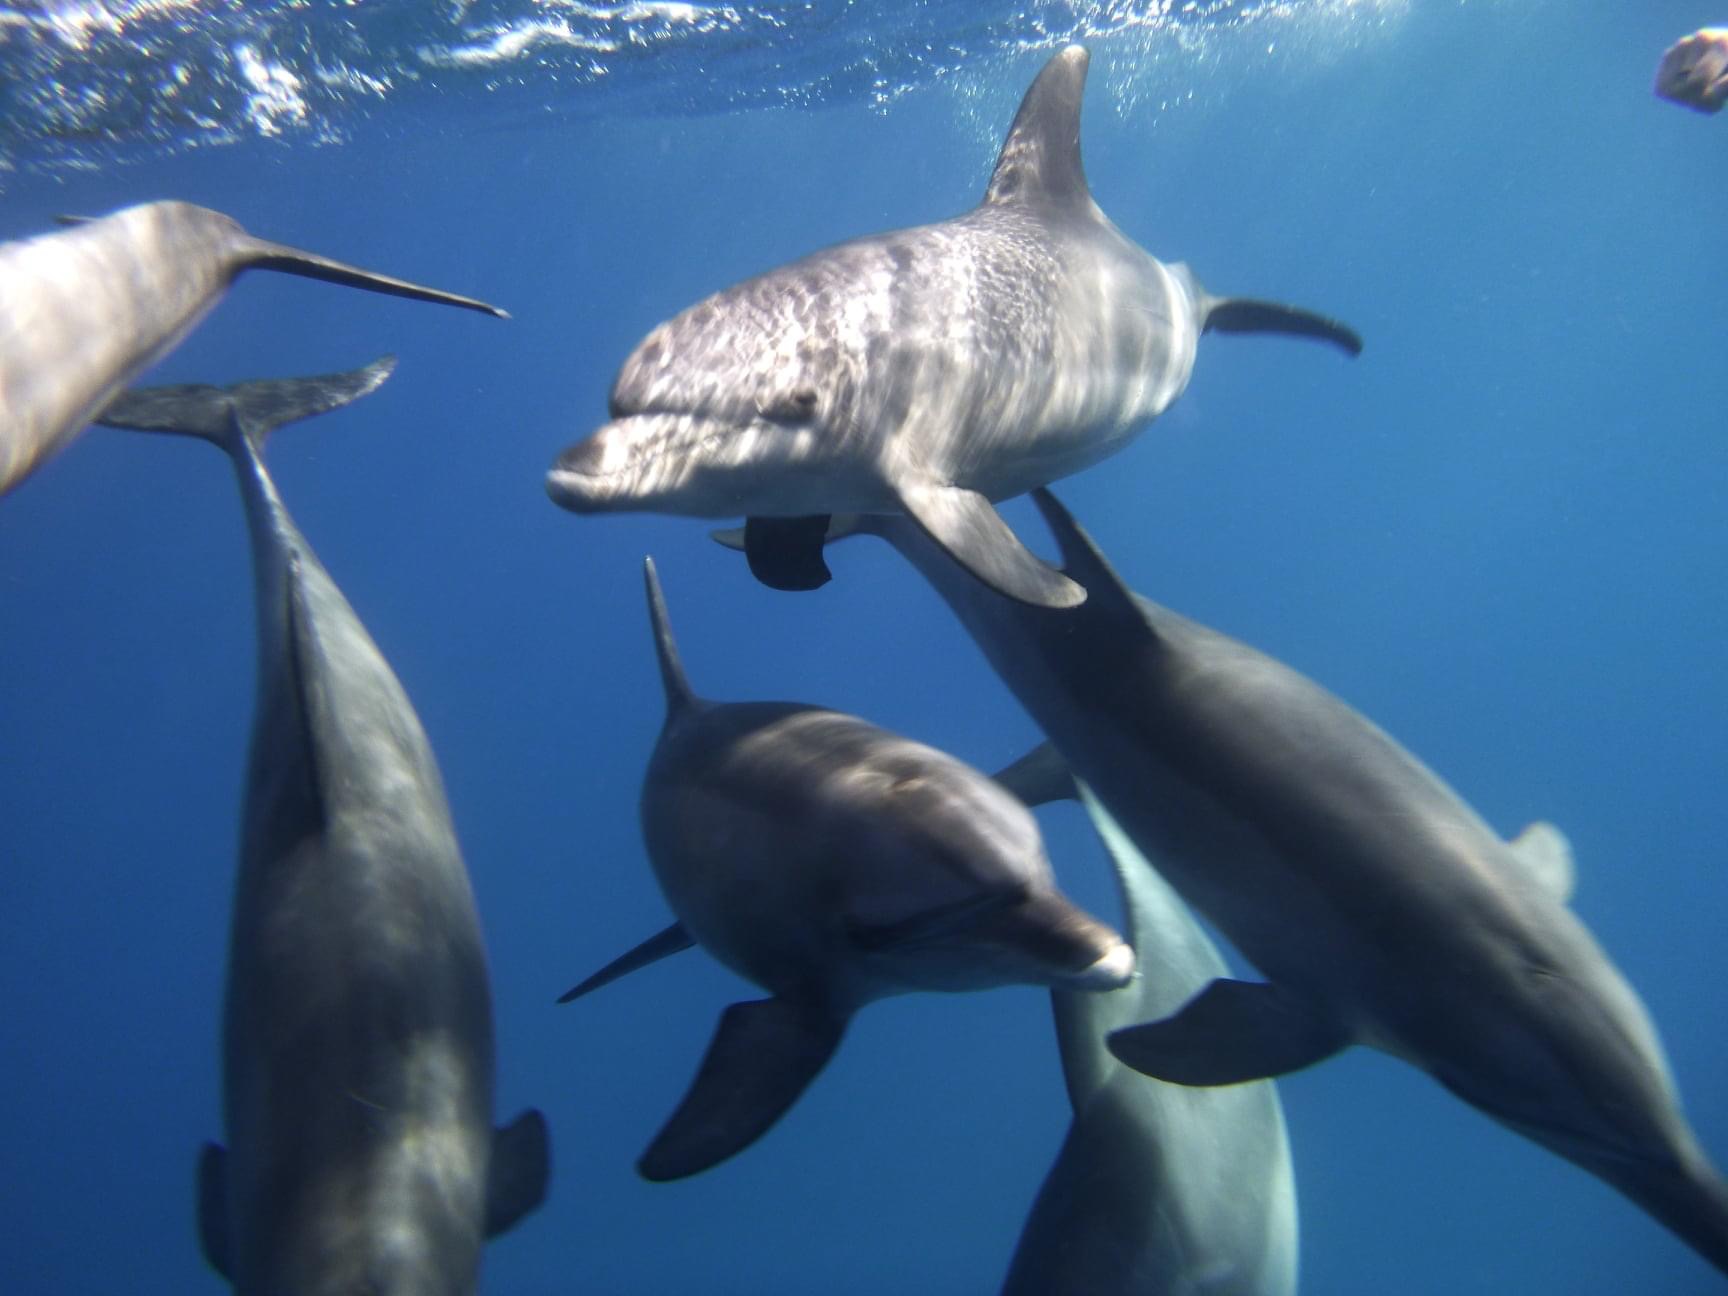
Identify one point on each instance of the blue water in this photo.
(1501, 533)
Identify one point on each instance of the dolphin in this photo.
(1379, 906)
(1159, 1189)
(84, 310)
(357, 1029)
(928, 372)
(831, 863)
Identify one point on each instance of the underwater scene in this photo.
(1286, 854)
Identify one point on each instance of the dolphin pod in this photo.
(929, 372)
(84, 310)
(1379, 906)
(1159, 1189)
(357, 1028)
(832, 863)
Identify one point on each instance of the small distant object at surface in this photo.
(1694, 71)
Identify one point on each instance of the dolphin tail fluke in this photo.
(663, 944)
(1248, 315)
(1230, 1032)
(1040, 777)
(763, 1056)
(678, 692)
(257, 408)
(213, 1208)
(260, 254)
(517, 1172)
(965, 524)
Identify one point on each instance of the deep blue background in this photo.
(1500, 533)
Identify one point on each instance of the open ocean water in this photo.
(1502, 533)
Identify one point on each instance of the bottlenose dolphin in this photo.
(831, 863)
(928, 371)
(84, 310)
(1159, 1189)
(357, 1030)
(1380, 907)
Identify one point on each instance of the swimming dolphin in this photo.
(831, 863)
(357, 1031)
(1159, 1189)
(928, 372)
(84, 310)
(1380, 907)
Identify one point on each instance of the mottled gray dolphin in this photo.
(1159, 1189)
(84, 310)
(357, 1031)
(928, 372)
(1380, 907)
(831, 863)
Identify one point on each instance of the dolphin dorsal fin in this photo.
(678, 692)
(1040, 159)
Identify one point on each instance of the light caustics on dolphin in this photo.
(357, 1027)
(831, 863)
(1380, 907)
(1158, 1189)
(929, 371)
(84, 310)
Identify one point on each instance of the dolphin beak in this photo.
(591, 474)
(1112, 971)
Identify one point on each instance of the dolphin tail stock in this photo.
(257, 253)
(1040, 777)
(1251, 315)
(518, 1171)
(763, 1056)
(256, 408)
(678, 692)
(662, 944)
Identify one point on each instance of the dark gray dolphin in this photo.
(1159, 1189)
(928, 371)
(357, 1032)
(1380, 907)
(831, 863)
(1694, 70)
(84, 310)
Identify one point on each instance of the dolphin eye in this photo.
(794, 407)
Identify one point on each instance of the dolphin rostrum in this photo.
(831, 863)
(1159, 1189)
(1380, 907)
(357, 1029)
(929, 371)
(84, 310)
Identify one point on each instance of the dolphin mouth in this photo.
(638, 460)
(1111, 971)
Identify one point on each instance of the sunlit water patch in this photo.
(88, 82)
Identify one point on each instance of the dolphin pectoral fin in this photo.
(786, 553)
(1545, 854)
(1230, 1032)
(213, 1208)
(1040, 777)
(763, 1056)
(518, 1172)
(662, 944)
(965, 524)
(264, 255)
(1247, 315)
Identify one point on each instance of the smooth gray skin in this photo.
(833, 863)
(357, 1030)
(1379, 906)
(1694, 71)
(928, 371)
(84, 310)
(1159, 1189)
